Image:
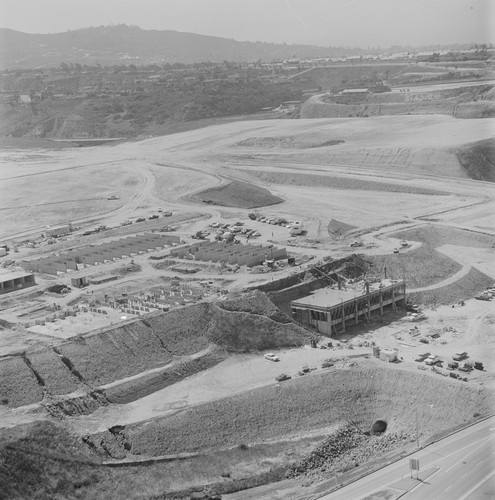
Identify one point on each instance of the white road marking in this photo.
(446, 489)
(476, 486)
(464, 475)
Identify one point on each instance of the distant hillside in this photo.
(123, 44)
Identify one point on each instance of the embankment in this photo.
(410, 403)
(85, 363)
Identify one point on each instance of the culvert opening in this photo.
(379, 427)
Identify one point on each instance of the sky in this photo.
(350, 23)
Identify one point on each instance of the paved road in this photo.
(461, 466)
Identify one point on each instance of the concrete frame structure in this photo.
(326, 308)
(229, 253)
(99, 254)
(16, 280)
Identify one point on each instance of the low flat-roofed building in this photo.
(327, 308)
(11, 281)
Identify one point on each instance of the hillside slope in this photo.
(121, 43)
(100, 358)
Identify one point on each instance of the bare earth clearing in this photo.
(195, 380)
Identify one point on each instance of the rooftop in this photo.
(329, 297)
(12, 275)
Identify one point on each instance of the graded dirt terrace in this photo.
(161, 171)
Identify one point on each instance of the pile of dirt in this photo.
(255, 302)
(438, 235)
(463, 289)
(420, 267)
(245, 332)
(237, 194)
(128, 268)
(478, 159)
(338, 229)
(361, 395)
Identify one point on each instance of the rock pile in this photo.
(347, 448)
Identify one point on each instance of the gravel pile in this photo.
(345, 449)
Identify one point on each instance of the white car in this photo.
(431, 360)
(271, 357)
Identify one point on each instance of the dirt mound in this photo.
(255, 302)
(244, 332)
(463, 289)
(337, 228)
(478, 159)
(436, 236)
(238, 194)
(335, 182)
(420, 267)
(361, 395)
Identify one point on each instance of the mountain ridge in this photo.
(119, 44)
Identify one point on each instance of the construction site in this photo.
(146, 332)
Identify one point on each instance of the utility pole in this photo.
(417, 431)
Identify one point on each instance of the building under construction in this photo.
(329, 309)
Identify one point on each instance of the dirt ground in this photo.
(375, 176)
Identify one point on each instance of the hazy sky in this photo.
(320, 22)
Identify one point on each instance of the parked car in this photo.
(431, 360)
(459, 356)
(167, 214)
(140, 219)
(421, 357)
(271, 356)
(154, 216)
(282, 377)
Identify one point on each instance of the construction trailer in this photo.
(16, 280)
(54, 231)
(79, 282)
(327, 309)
